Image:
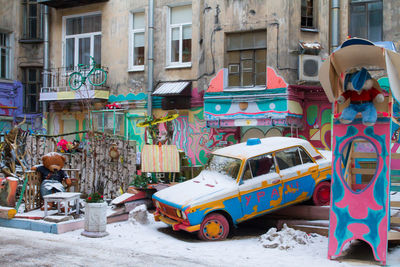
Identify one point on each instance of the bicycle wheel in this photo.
(98, 77)
(75, 80)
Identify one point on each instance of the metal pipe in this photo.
(335, 22)
(150, 57)
(46, 60)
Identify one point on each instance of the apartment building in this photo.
(231, 69)
(21, 63)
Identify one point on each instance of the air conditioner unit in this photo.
(309, 67)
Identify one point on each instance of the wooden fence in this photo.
(98, 172)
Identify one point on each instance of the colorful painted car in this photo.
(243, 181)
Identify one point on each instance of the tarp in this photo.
(358, 55)
(163, 158)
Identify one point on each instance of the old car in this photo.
(243, 181)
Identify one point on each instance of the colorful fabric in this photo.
(365, 95)
(163, 158)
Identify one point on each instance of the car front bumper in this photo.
(176, 226)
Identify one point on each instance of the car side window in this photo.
(259, 165)
(292, 157)
(305, 158)
(288, 158)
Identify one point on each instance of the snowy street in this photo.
(155, 244)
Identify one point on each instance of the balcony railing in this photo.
(69, 3)
(58, 80)
(56, 85)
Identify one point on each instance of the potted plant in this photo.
(95, 216)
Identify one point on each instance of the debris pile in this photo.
(285, 239)
(139, 215)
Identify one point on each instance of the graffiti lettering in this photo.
(248, 200)
(274, 192)
(260, 195)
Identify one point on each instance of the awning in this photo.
(173, 89)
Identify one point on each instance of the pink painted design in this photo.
(274, 81)
(217, 83)
(362, 203)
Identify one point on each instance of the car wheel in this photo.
(322, 194)
(214, 227)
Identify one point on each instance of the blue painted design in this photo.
(128, 97)
(30, 225)
(374, 217)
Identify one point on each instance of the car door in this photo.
(297, 170)
(260, 187)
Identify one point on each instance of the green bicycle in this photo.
(96, 76)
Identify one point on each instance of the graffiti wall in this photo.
(191, 135)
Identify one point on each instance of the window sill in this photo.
(244, 88)
(179, 66)
(30, 41)
(136, 68)
(5, 80)
(309, 30)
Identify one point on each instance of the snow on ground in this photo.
(132, 243)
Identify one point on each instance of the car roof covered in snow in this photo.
(266, 145)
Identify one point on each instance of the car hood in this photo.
(207, 186)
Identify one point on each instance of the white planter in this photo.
(95, 220)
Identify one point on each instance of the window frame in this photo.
(365, 4)
(26, 33)
(26, 82)
(76, 38)
(8, 52)
(314, 26)
(132, 32)
(179, 64)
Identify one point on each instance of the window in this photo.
(110, 121)
(5, 51)
(32, 20)
(260, 165)
(366, 18)
(292, 157)
(246, 59)
(180, 36)
(32, 80)
(224, 165)
(307, 14)
(136, 61)
(82, 40)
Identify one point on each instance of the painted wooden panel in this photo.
(360, 214)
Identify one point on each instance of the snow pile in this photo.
(286, 239)
(140, 215)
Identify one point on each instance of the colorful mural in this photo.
(191, 135)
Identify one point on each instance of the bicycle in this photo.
(77, 79)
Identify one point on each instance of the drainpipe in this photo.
(46, 60)
(150, 57)
(335, 22)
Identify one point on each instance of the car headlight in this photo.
(158, 205)
(184, 215)
(178, 212)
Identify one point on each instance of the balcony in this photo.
(58, 88)
(68, 3)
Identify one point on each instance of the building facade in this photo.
(21, 63)
(232, 70)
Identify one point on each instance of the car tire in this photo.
(322, 194)
(214, 227)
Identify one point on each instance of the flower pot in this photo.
(95, 220)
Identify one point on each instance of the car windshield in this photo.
(224, 165)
